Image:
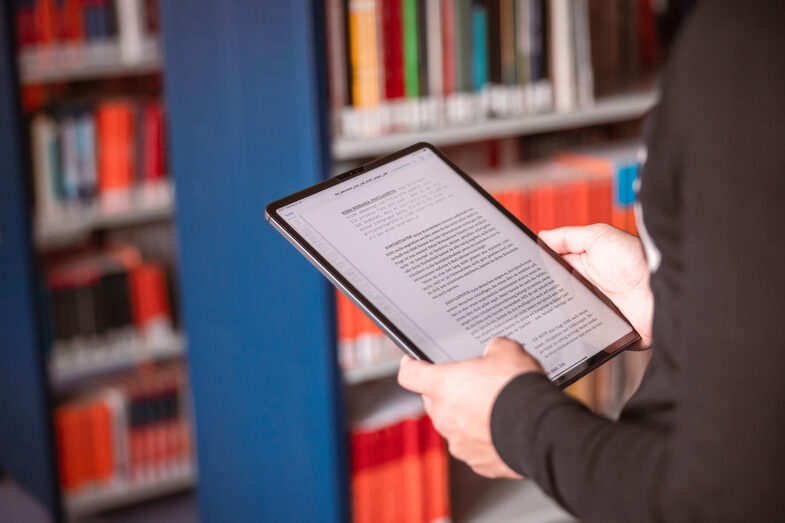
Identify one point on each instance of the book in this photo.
(46, 24)
(127, 431)
(398, 460)
(107, 302)
(84, 154)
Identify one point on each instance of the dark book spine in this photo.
(422, 48)
(494, 42)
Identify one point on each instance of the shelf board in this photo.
(65, 373)
(72, 224)
(61, 63)
(121, 494)
(375, 371)
(480, 500)
(606, 110)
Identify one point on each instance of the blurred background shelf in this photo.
(480, 500)
(68, 370)
(605, 110)
(60, 63)
(141, 205)
(120, 494)
(370, 372)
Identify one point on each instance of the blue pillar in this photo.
(26, 443)
(247, 125)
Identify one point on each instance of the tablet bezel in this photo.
(578, 370)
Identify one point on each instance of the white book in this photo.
(583, 67)
(43, 132)
(434, 20)
(130, 30)
(561, 55)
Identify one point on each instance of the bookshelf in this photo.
(74, 223)
(500, 501)
(77, 368)
(628, 106)
(80, 379)
(371, 372)
(79, 62)
(122, 494)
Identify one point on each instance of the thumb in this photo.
(566, 240)
(500, 346)
(415, 375)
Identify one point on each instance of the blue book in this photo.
(479, 46)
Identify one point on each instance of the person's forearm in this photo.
(597, 469)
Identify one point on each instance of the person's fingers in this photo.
(569, 239)
(415, 375)
(500, 345)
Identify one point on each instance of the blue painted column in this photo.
(247, 125)
(26, 442)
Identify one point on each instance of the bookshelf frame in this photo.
(26, 432)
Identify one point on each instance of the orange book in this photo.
(543, 207)
(68, 433)
(613, 163)
(100, 423)
(363, 53)
(563, 205)
(412, 475)
(601, 195)
(436, 473)
(150, 297)
(115, 121)
(523, 205)
(582, 202)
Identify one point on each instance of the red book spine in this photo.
(363, 471)
(391, 474)
(46, 22)
(437, 497)
(392, 40)
(72, 21)
(448, 46)
(154, 168)
(412, 496)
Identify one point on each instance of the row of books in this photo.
(84, 153)
(578, 187)
(128, 431)
(99, 296)
(78, 23)
(399, 462)
(398, 65)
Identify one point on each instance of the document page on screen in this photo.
(449, 269)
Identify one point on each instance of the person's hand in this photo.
(459, 397)
(613, 260)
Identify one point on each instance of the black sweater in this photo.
(703, 439)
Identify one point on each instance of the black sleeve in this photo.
(714, 194)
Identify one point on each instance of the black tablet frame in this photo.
(628, 341)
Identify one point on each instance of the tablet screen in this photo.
(448, 269)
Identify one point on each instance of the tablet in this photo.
(442, 268)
